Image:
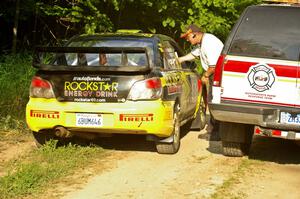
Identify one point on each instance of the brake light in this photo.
(219, 71)
(153, 83)
(38, 82)
(146, 89)
(199, 85)
(41, 88)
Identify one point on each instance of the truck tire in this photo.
(236, 138)
(233, 149)
(171, 148)
(201, 119)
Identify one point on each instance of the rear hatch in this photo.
(261, 60)
(93, 74)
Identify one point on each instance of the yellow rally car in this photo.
(114, 83)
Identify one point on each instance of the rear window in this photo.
(268, 32)
(106, 59)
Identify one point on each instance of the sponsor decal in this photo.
(173, 89)
(173, 81)
(136, 117)
(44, 114)
(261, 77)
(172, 78)
(91, 87)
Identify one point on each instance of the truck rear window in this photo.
(268, 32)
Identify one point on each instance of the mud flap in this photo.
(235, 132)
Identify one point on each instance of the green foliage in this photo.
(84, 15)
(43, 166)
(61, 19)
(15, 77)
(217, 16)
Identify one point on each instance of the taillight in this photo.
(218, 71)
(41, 88)
(146, 89)
(153, 83)
(199, 85)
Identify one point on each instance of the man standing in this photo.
(208, 49)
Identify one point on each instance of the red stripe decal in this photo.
(276, 132)
(243, 67)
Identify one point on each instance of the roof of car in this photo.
(125, 35)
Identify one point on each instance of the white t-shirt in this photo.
(208, 51)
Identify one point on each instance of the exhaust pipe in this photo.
(61, 131)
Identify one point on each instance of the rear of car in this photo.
(111, 84)
(256, 82)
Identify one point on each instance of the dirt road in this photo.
(198, 170)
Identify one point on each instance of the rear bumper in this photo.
(140, 117)
(290, 135)
(255, 115)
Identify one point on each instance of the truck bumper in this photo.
(260, 116)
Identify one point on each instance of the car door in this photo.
(185, 78)
(191, 79)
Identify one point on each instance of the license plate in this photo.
(89, 120)
(289, 118)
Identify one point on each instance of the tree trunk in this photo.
(15, 28)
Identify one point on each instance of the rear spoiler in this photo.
(58, 60)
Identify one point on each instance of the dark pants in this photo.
(214, 134)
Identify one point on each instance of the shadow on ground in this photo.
(123, 142)
(269, 149)
(213, 146)
(276, 150)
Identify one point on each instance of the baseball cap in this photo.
(190, 29)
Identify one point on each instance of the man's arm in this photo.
(210, 71)
(188, 57)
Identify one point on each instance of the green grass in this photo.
(32, 174)
(225, 190)
(15, 77)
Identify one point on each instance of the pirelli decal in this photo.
(136, 117)
(44, 114)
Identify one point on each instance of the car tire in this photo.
(201, 119)
(42, 137)
(171, 148)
